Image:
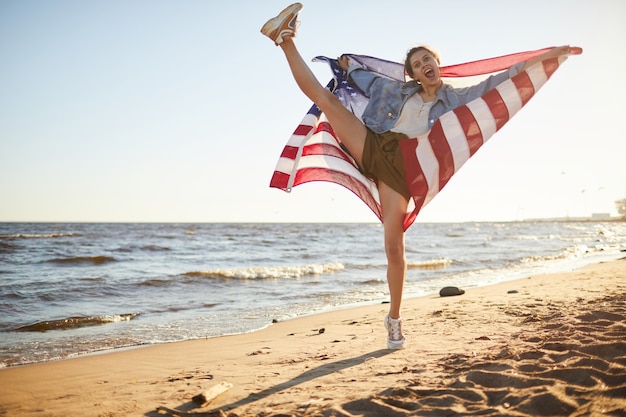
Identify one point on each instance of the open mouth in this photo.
(429, 73)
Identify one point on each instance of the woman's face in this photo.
(425, 68)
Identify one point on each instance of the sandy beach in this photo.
(545, 345)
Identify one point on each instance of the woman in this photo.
(396, 110)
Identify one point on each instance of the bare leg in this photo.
(352, 132)
(394, 207)
(346, 125)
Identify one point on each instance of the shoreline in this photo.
(294, 367)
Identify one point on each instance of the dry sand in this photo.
(545, 345)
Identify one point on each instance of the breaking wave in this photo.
(270, 272)
(35, 235)
(439, 263)
(568, 253)
(75, 322)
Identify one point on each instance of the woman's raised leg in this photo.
(346, 125)
(348, 128)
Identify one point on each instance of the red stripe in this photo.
(289, 152)
(410, 218)
(498, 108)
(418, 187)
(279, 180)
(489, 65)
(550, 65)
(471, 128)
(524, 86)
(443, 153)
(324, 127)
(302, 130)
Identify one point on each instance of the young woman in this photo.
(396, 111)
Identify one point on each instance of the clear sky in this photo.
(177, 111)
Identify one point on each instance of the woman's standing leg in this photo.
(394, 207)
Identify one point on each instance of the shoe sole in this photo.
(276, 22)
(396, 345)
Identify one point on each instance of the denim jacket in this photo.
(387, 96)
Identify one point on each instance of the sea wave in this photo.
(6, 247)
(571, 252)
(438, 263)
(35, 235)
(94, 260)
(75, 322)
(270, 272)
(156, 282)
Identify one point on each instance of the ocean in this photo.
(73, 289)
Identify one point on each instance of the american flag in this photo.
(314, 153)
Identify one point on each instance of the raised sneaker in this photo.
(283, 24)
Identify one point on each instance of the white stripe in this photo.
(537, 75)
(411, 206)
(455, 136)
(296, 162)
(323, 137)
(510, 96)
(296, 140)
(430, 166)
(484, 118)
(284, 165)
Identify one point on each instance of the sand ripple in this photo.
(573, 365)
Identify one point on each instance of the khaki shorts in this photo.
(383, 161)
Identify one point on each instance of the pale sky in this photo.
(177, 111)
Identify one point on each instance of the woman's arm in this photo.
(552, 53)
(359, 76)
(465, 95)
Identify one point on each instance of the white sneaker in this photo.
(395, 337)
(283, 24)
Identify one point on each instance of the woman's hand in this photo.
(553, 53)
(344, 62)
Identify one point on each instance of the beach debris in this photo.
(212, 393)
(317, 332)
(450, 291)
(179, 413)
(260, 351)
(201, 399)
(512, 292)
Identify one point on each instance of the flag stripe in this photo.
(362, 191)
(497, 107)
(471, 129)
(484, 118)
(457, 145)
(427, 158)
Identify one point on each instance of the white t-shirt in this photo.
(413, 120)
